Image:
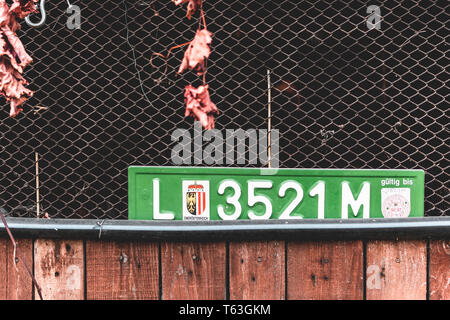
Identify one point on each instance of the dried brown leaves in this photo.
(13, 57)
(200, 106)
(197, 52)
(198, 102)
(191, 7)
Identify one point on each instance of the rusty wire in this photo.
(18, 252)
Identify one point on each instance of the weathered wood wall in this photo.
(273, 270)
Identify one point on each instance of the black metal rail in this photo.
(330, 229)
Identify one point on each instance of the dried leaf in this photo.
(22, 8)
(13, 57)
(197, 52)
(191, 7)
(200, 106)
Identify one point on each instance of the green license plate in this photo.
(203, 194)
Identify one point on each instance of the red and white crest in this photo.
(195, 200)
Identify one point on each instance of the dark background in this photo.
(343, 96)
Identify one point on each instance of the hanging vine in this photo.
(198, 102)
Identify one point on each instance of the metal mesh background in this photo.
(343, 96)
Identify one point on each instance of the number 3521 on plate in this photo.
(204, 194)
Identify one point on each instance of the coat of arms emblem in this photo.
(195, 200)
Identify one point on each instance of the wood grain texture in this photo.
(325, 270)
(15, 281)
(122, 270)
(396, 270)
(193, 270)
(257, 270)
(439, 270)
(59, 269)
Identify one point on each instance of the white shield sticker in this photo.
(396, 202)
(195, 200)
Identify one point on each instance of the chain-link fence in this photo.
(344, 96)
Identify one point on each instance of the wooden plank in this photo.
(325, 270)
(59, 269)
(257, 270)
(3, 269)
(15, 281)
(122, 270)
(193, 270)
(439, 270)
(396, 270)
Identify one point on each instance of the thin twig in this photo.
(408, 40)
(37, 184)
(134, 53)
(14, 257)
(166, 57)
(152, 4)
(156, 13)
(269, 120)
(39, 108)
(204, 71)
(19, 253)
(202, 14)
